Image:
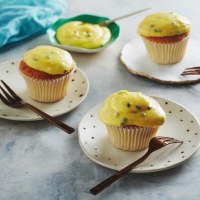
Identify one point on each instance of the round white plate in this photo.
(180, 124)
(134, 57)
(77, 91)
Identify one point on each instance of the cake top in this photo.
(49, 59)
(163, 24)
(131, 108)
(84, 35)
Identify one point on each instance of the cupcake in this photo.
(165, 36)
(46, 71)
(132, 119)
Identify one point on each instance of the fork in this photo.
(11, 99)
(191, 71)
(155, 144)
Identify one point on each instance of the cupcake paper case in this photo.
(46, 71)
(132, 119)
(165, 36)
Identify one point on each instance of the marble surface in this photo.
(38, 161)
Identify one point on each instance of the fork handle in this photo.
(51, 119)
(104, 184)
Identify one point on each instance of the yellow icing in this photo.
(163, 24)
(131, 108)
(83, 35)
(49, 59)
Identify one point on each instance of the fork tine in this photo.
(191, 71)
(6, 94)
(164, 137)
(192, 68)
(169, 140)
(4, 99)
(174, 141)
(11, 91)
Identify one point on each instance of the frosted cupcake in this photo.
(46, 71)
(132, 119)
(165, 36)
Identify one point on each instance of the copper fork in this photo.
(191, 71)
(11, 99)
(155, 144)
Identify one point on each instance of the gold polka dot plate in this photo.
(77, 91)
(180, 124)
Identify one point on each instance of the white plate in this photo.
(77, 92)
(180, 124)
(134, 57)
